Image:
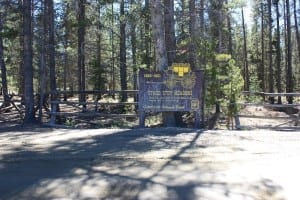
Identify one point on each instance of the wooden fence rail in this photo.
(95, 107)
(271, 94)
(90, 107)
(293, 110)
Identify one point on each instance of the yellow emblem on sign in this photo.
(180, 73)
(181, 68)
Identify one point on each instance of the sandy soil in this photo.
(161, 163)
(269, 119)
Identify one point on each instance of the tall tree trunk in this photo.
(28, 68)
(297, 29)
(216, 17)
(257, 52)
(113, 81)
(216, 33)
(285, 41)
(99, 83)
(289, 73)
(66, 46)
(271, 73)
(147, 35)
(192, 28)
(51, 47)
(21, 82)
(203, 60)
(157, 20)
(51, 53)
(81, 50)
(202, 34)
(159, 34)
(123, 67)
(278, 52)
(42, 59)
(133, 51)
(246, 68)
(134, 56)
(169, 24)
(262, 67)
(3, 70)
(170, 30)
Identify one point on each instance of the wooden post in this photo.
(298, 117)
(142, 116)
(53, 113)
(197, 120)
(237, 122)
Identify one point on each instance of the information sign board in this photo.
(176, 89)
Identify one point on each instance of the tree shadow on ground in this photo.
(162, 163)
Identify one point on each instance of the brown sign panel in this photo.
(170, 90)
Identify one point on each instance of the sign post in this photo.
(175, 89)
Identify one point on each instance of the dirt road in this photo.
(166, 163)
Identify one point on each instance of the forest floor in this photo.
(268, 118)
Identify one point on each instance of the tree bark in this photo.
(170, 30)
(262, 67)
(81, 50)
(147, 36)
(246, 67)
(42, 58)
(158, 29)
(271, 72)
(66, 45)
(21, 82)
(289, 72)
(170, 39)
(113, 81)
(3, 70)
(203, 61)
(192, 28)
(123, 67)
(278, 53)
(52, 67)
(99, 82)
(29, 117)
(51, 53)
(159, 34)
(216, 17)
(257, 54)
(297, 29)
(133, 51)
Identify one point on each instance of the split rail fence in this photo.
(92, 104)
(292, 110)
(105, 107)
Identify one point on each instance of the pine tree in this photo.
(28, 68)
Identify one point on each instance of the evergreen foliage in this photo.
(224, 84)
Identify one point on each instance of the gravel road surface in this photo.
(145, 164)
